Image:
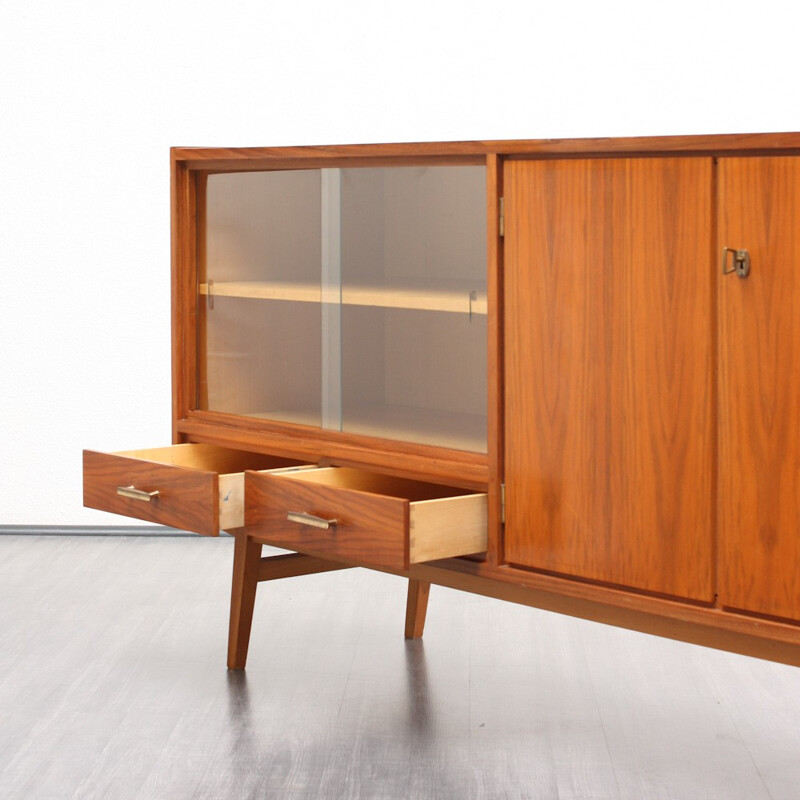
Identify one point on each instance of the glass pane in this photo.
(414, 330)
(260, 312)
(350, 299)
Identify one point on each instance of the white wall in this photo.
(93, 93)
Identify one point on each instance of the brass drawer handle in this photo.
(310, 519)
(136, 494)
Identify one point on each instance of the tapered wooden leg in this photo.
(246, 565)
(416, 607)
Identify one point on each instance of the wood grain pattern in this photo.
(747, 634)
(446, 527)
(453, 467)
(188, 498)
(202, 276)
(629, 426)
(183, 186)
(208, 457)
(371, 529)
(609, 455)
(380, 519)
(231, 159)
(724, 629)
(759, 202)
(706, 626)
(201, 486)
(246, 563)
(293, 565)
(416, 608)
(409, 424)
(374, 483)
(495, 375)
(249, 568)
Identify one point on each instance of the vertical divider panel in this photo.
(184, 291)
(331, 298)
(495, 434)
(201, 397)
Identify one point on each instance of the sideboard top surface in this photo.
(223, 158)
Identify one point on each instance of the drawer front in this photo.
(369, 529)
(195, 487)
(187, 498)
(364, 517)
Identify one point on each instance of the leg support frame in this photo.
(249, 568)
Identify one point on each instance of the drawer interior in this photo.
(374, 483)
(442, 521)
(209, 457)
(230, 465)
(196, 487)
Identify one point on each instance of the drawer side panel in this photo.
(448, 527)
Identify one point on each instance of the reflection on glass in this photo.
(351, 299)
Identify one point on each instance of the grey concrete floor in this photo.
(112, 657)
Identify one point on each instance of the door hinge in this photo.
(502, 224)
(503, 503)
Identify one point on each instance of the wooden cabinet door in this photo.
(609, 401)
(759, 210)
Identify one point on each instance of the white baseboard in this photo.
(92, 530)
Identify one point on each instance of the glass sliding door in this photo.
(349, 299)
(260, 311)
(414, 304)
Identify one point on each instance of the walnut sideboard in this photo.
(564, 373)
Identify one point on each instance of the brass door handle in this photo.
(136, 494)
(310, 519)
(741, 262)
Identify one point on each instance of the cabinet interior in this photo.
(375, 483)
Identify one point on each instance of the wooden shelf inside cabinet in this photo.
(457, 431)
(462, 297)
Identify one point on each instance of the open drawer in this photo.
(363, 517)
(196, 487)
